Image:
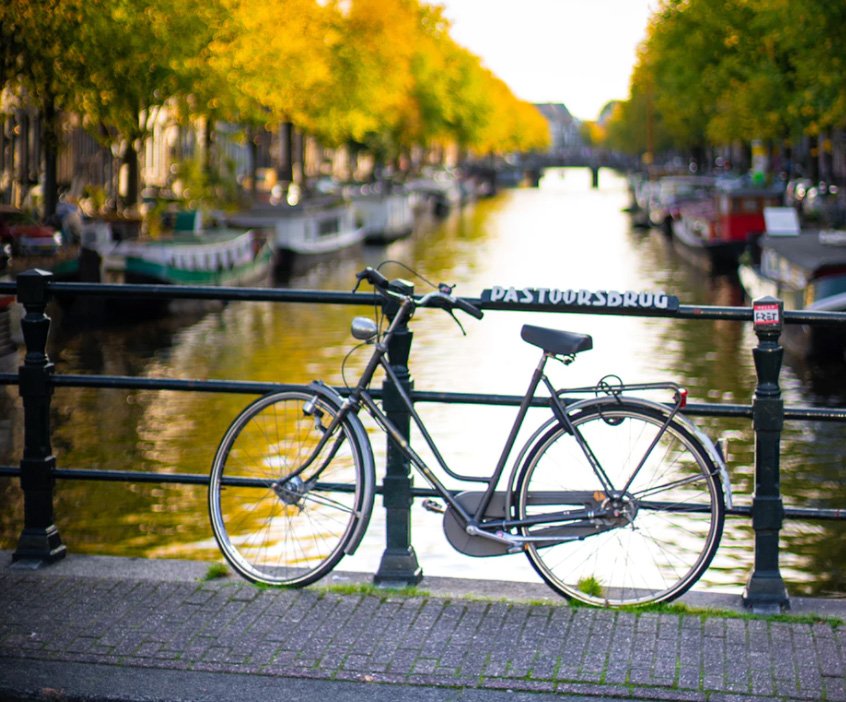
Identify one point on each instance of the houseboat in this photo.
(197, 257)
(438, 192)
(713, 232)
(314, 230)
(386, 216)
(808, 272)
(671, 192)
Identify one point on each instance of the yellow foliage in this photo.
(371, 71)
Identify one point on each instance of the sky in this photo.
(576, 52)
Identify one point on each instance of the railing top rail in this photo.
(211, 292)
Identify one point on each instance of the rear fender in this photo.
(710, 447)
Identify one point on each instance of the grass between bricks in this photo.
(217, 571)
(673, 609)
(708, 612)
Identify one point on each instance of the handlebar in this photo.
(372, 276)
(439, 299)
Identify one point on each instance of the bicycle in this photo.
(615, 499)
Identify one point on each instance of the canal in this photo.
(563, 234)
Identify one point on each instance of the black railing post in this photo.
(399, 561)
(765, 590)
(39, 541)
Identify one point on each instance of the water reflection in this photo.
(564, 234)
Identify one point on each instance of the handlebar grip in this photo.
(469, 308)
(374, 277)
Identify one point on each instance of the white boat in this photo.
(670, 192)
(438, 191)
(808, 272)
(386, 216)
(314, 230)
(198, 257)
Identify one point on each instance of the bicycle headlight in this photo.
(364, 328)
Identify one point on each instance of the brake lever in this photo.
(361, 275)
(457, 321)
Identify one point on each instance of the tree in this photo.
(267, 63)
(722, 71)
(140, 55)
(41, 60)
(371, 48)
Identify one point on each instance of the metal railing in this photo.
(36, 379)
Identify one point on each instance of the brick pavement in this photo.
(454, 642)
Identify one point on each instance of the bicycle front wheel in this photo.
(274, 528)
(648, 530)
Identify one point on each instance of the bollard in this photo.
(594, 177)
(765, 591)
(399, 561)
(39, 541)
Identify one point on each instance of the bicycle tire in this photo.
(667, 531)
(280, 533)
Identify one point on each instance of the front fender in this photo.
(369, 488)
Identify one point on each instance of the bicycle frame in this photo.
(474, 521)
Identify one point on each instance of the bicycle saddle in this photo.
(556, 341)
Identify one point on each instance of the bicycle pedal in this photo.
(432, 506)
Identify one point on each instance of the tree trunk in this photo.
(286, 167)
(826, 147)
(300, 156)
(130, 159)
(253, 165)
(50, 140)
(787, 159)
(208, 141)
(813, 170)
(50, 145)
(698, 157)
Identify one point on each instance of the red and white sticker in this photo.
(766, 314)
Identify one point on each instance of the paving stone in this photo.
(423, 641)
(835, 689)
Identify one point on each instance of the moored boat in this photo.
(808, 272)
(713, 232)
(223, 257)
(669, 193)
(204, 257)
(386, 216)
(438, 192)
(305, 234)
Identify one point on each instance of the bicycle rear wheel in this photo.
(282, 530)
(648, 544)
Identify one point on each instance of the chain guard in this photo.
(479, 546)
(463, 542)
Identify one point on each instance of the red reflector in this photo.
(683, 397)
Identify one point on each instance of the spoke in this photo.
(327, 502)
(676, 519)
(669, 486)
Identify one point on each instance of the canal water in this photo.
(563, 234)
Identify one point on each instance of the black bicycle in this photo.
(615, 499)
